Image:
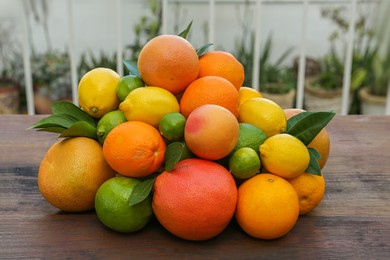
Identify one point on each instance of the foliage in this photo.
(89, 61)
(9, 50)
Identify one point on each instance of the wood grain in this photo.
(352, 222)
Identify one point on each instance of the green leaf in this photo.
(306, 125)
(186, 31)
(314, 167)
(203, 49)
(132, 66)
(53, 129)
(80, 128)
(141, 191)
(173, 155)
(68, 108)
(64, 121)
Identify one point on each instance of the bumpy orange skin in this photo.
(134, 149)
(211, 132)
(196, 200)
(169, 62)
(222, 64)
(71, 173)
(267, 206)
(210, 90)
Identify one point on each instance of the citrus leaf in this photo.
(64, 121)
(80, 128)
(68, 108)
(203, 49)
(132, 66)
(306, 125)
(173, 155)
(186, 31)
(141, 191)
(314, 167)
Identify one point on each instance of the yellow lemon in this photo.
(265, 114)
(97, 91)
(248, 93)
(149, 105)
(284, 155)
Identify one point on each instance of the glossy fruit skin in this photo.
(169, 62)
(210, 90)
(97, 91)
(267, 206)
(202, 132)
(108, 122)
(127, 84)
(196, 200)
(71, 172)
(112, 206)
(222, 64)
(172, 125)
(134, 149)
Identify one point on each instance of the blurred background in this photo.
(313, 54)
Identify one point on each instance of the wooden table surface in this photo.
(352, 222)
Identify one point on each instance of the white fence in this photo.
(211, 10)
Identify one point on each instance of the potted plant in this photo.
(51, 79)
(324, 91)
(277, 82)
(9, 88)
(373, 95)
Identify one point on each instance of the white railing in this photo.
(212, 6)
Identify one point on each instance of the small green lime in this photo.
(171, 126)
(108, 122)
(250, 136)
(112, 205)
(244, 163)
(127, 84)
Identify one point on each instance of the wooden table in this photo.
(352, 222)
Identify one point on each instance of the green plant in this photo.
(89, 61)
(9, 50)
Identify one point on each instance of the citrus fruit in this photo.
(211, 132)
(112, 205)
(171, 126)
(127, 84)
(222, 64)
(210, 90)
(250, 136)
(321, 142)
(284, 155)
(149, 105)
(265, 114)
(169, 62)
(71, 172)
(310, 189)
(248, 93)
(108, 122)
(196, 200)
(244, 163)
(267, 206)
(134, 149)
(97, 91)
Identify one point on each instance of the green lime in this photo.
(108, 122)
(171, 126)
(127, 84)
(244, 163)
(250, 136)
(112, 205)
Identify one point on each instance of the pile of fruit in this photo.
(181, 139)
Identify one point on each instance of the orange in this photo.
(134, 149)
(211, 132)
(196, 200)
(321, 142)
(71, 173)
(310, 189)
(222, 64)
(210, 90)
(267, 206)
(169, 62)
